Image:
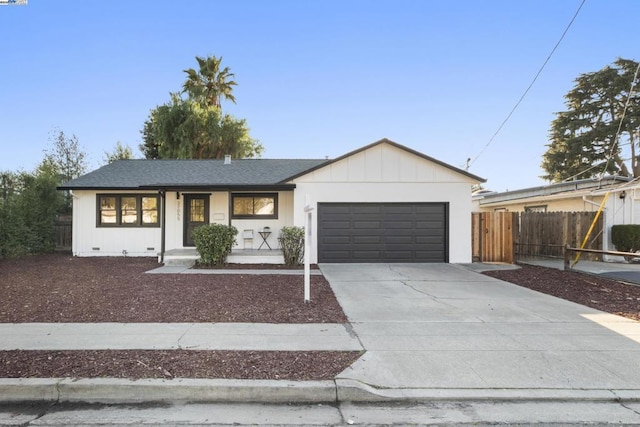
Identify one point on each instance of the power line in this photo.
(531, 84)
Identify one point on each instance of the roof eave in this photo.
(221, 187)
(395, 144)
(191, 187)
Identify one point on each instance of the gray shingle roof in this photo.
(131, 174)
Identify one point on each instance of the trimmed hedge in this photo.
(292, 243)
(626, 238)
(214, 243)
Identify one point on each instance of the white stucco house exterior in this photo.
(381, 203)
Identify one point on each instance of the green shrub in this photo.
(29, 205)
(626, 237)
(214, 243)
(292, 243)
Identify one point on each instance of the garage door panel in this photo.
(393, 225)
(435, 256)
(399, 209)
(399, 256)
(337, 255)
(366, 255)
(382, 232)
(336, 240)
(363, 209)
(338, 209)
(399, 240)
(372, 225)
(425, 225)
(366, 240)
(337, 225)
(429, 240)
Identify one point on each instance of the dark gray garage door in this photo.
(383, 232)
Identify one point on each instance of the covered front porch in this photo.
(257, 214)
(188, 256)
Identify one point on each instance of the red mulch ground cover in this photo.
(135, 364)
(61, 288)
(593, 291)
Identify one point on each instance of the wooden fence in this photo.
(506, 236)
(494, 236)
(63, 228)
(547, 233)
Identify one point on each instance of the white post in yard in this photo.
(307, 249)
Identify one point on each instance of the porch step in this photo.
(174, 261)
(254, 256)
(188, 257)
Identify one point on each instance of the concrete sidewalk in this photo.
(614, 270)
(172, 336)
(183, 269)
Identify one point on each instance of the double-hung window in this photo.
(128, 210)
(259, 205)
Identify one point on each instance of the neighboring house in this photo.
(622, 205)
(381, 203)
(571, 196)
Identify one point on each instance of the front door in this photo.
(196, 213)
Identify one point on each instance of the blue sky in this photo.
(315, 79)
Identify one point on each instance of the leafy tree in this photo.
(12, 227)
(30, 202)
(149, 146)
(195, 127)
(65, 157)
(28, 211)
(209, 83)
(120, 152)
(184, 129)
(583, 138)
(64, 161)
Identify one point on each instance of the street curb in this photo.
(116, 390)
(120, 391)
(356, 391)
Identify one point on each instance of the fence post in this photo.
(566, 251)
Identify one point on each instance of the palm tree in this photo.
(209, 84)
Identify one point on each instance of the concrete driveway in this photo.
(444, 327)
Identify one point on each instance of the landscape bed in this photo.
(61, 288)
(168, 364)
(593, 291)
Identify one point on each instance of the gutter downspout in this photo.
(163, 223)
